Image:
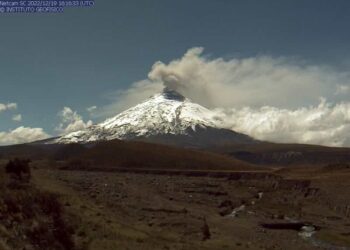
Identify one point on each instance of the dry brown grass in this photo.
(31, 218)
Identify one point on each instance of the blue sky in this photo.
(78, 58)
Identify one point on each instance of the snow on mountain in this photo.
(167, 113)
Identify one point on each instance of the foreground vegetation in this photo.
(44, 206)
(30, 218)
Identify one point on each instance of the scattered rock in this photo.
(237, 210)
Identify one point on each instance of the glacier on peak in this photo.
(166, 113)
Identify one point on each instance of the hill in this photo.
(266, 153)
(129, 154)
(124, 154)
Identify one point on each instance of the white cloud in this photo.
(12, 105)
(22, 135)
(325, 124)
(91, 110)
(8, 106)
(17, 118)
(3, 107)
(269, 98)
(71, 121)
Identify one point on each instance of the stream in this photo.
(306, 231)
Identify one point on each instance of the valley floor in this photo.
(121, 210)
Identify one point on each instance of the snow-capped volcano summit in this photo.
(165, 113)
(167, 117)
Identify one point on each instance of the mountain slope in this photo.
(167, 118)
(268, 153)
(130, 154)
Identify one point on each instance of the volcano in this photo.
(166, 118)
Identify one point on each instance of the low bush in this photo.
(19, 168)
(32, 218)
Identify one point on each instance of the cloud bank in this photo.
(325, 124)
(22, 135)
(70, 121)
(275, 99)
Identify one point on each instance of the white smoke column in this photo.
(254, 82)
(185, 76)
